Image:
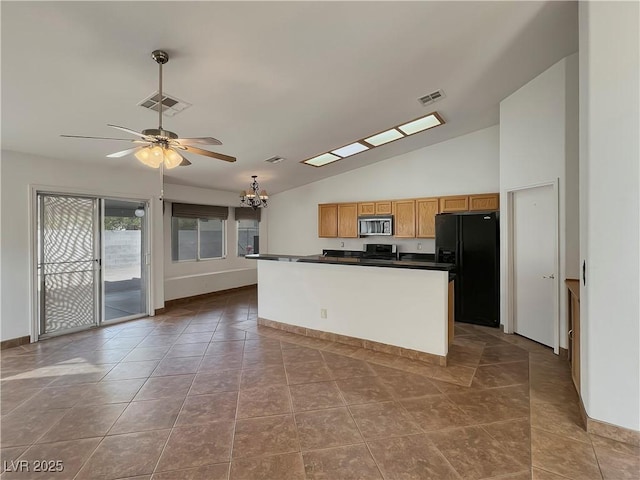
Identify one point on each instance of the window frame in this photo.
(238, 236)
(198, 258)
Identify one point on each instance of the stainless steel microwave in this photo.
(375, 225)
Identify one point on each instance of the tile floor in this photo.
(203, 393)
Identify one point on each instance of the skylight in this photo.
(395, 133)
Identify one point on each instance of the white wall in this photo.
(539, 144)
(185, 279)
(466, 164)
(609, 210)
(19, 173)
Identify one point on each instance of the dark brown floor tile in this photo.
(326, 428)
(122, 456)
(177, 366)
(219, 471)
(19, 428)
(117, 391)
(216, 382)
(503, 354)
(165, 387)
(281, 467)
(148, 415)
(407, 385)
(436, 412)
(493, 405)
(301, 355)
(363, 390)
(263, 377)
(194, 337)
(187, 350)
(197, 445)
(140, 354)
(457, 374)
(501, 375)
(265, 436)
(220, 363)
(264, 401)
(358, 368)
(603, 443)
(562, 420)
(261, 358)
(617, 466)
(10, 454)
(84, 422)
(353, 462)
(386, 419)
(314, 396)
(226, 348)
(158, 341)
(199, 409)
(514, 436)
(411, 458)
(563, 456)
(128, 370)
(474, 454)
(54, 397)
(70, 455)
(340, 348)
(550, 390)
(464, 355)
(11, 398)
(308, 372)
(539, 474)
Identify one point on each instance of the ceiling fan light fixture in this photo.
(150, 156)
(171, 158)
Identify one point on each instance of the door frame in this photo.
(33, 190)
(510, 270)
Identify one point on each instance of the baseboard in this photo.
(608, 430)
(356, 342)
(15, 342)
(159, 311)
(180, 301)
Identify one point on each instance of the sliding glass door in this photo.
(92, 262)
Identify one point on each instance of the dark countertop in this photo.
(365, 262)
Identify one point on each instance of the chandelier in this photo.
(254, 198)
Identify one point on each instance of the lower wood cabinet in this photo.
(347, 220)
(426, 211)
(573, 312)
(328, 220)
(404, 218)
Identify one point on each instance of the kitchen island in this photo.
(394, 306)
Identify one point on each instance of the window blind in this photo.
(244, 213)
(188, 210)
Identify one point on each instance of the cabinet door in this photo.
(348, 220)
(383, 208)
(328, 220)
(404, 217)
(457, 203)
(426, 210)
(368, 208)
(484, 202)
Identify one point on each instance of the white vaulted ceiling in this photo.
(293, 79)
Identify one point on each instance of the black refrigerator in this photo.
(471, 241)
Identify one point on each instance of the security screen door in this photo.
(68, 263)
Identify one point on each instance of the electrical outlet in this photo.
(419, 246)
(323, 313)
(342, 244)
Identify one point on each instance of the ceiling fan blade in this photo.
(123, 153)
(184, 163)
(198, 140)
(128, 130)
(207, 153)
(103, 138)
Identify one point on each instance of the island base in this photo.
(356, 342)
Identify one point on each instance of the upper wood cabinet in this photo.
(384, 208)
(368, 208)
(347, 220)
(404, 217)
(457, 203)
(483, 202)
(328, 220)
(426, 211)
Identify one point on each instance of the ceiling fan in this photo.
(159, 148)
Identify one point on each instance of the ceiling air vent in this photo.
(275, 159)
(171, 106)
(431, 98)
